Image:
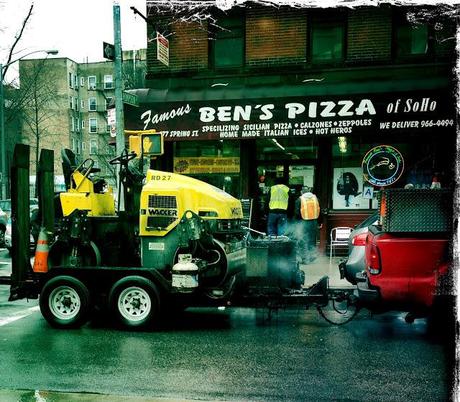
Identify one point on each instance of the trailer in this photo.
(179, 243)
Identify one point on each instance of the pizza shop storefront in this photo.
(345, 147)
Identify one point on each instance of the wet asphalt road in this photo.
(208, 354)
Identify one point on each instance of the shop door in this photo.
(296, 176)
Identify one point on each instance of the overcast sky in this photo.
(76, 28)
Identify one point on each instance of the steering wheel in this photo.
(124, 158)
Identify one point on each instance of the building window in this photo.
(227, 46)
(92, 104)
(75, 81)
(74, 146)
(77, 123)
(82, 104)
(70, 80)
(327, 37)
(93, 125)
(72, 124)
(82, 124)
(93, 146)
(83, 146)
(82, 81)
(108, 82)
(410, 39)
(71, 104)
(92, 82)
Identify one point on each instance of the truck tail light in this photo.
(373, 264)
(359, 240)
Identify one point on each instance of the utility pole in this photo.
(120, 144)
(3, 173)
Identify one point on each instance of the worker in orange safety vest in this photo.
(308, 214)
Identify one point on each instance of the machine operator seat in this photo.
(70, 163)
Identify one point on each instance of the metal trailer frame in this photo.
(24, 283)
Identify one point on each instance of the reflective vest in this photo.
(309, 206)
(279, 197)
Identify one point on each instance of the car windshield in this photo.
(370, 220)
(5, 205)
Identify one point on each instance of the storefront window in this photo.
(214, 162)
(347, 175)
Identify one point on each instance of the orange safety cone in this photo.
(41, 252)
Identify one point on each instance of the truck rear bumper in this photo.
(367, 294)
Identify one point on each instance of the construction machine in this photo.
(178, 242)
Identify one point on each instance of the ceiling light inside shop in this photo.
(278, 144)
(342, 141)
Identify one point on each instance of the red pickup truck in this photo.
(408, 255)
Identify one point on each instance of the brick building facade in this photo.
(259, 91)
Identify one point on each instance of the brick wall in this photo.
(275, 36)
(369, 35)
(188, 47)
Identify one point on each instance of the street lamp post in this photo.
(3, 172)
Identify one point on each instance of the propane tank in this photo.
(185, 274)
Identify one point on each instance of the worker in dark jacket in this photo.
(278, 205)
(308, 216)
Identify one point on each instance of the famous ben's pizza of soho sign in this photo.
(295, 116)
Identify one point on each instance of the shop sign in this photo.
(382, 165)
(111, 116)
(296, 117)
(162, 49)
(201, 165)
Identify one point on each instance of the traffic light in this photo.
(152, 142)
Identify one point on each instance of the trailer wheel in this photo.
(135, 302)
(64, 302)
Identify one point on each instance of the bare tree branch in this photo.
(17, 39)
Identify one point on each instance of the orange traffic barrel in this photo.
(41, 252)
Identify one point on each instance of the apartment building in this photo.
(311, 95)
(65, 106)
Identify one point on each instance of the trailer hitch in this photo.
(341, 307)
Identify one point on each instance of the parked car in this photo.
(355, 262)
(5, 205)
(3, 224)
(33, 230)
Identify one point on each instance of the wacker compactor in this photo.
(178, 242)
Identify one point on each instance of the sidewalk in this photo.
(321, 267)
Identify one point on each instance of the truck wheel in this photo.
(134, 301)
(64, 302)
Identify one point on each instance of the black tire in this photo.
(135, 302)
(64, 302)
